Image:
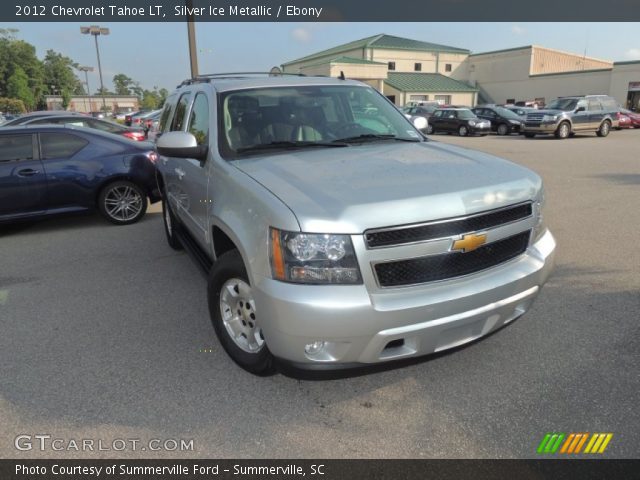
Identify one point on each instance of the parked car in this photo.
(624, 121)
(153, 127)
(128, 118)
(333, 239)
(503, 121)
(134, 119)
(147, 121)
(425, 111)
(633, 116)
(520, 111)
(51, 169)
(27, 117)
(133, 133)
(459, 120)
(568, 115)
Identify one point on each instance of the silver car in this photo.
(333, 232)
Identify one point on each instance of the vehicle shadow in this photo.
(69, 221)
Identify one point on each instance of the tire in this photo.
(463, 130)
(122, 202)
(170, 225)
(529, 135)
(563, 131)
(430, 129)
(605, 129)
(229, 291)
(503, 129)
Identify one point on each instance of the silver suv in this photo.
(567, 115)
(333, 232)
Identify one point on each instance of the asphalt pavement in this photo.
(104, 334)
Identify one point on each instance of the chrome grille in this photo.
(446, 228)
(534, 117)
(451, 264)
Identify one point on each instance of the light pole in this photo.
(96, 30)
(86, 77)
(191, 33)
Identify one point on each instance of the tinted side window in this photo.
(60, 145)
(179, 115)
(437, 113)
(594, 105)
(199, 119)
(15, 147)
(166, 111)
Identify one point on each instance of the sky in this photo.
(156, 54)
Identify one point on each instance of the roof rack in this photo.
(207, 77)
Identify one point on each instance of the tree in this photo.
(59, 74)
(150, 100)
(163, 93)
(18, 87)
(11, 105)
(18, 53)
(66, 98)
(122, 84)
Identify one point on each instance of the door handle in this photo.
(179, 173)
(27, 172)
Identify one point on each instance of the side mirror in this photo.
(181, 145)
(420, 123)
(581, 109)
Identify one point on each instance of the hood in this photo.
(547, 112)
(352, 189)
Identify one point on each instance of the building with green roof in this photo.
(375, 59)
(408, 70)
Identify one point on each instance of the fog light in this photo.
(313, 348)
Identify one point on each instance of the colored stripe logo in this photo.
(573, 443)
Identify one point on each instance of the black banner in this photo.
(318, 10)
(319, 469)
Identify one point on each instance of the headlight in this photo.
(472, 123)
(515, 122)
(313, 258)
(549, 118)
(538, 210)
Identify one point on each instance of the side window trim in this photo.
(185, 118)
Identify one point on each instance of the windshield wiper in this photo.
(288, 144)
(372, 137)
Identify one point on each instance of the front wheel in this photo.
(122, 202)
(604, 129)
(232, 309)
(503, 129)
(430, 129)
(463, 131)
(563, 131)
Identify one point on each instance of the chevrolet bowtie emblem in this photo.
(469, 242)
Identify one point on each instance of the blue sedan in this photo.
(47, 170)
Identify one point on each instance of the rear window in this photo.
(60, 145)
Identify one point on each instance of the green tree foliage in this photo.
(18, 87)
(20, 54)
(122, 84)
(59, 74)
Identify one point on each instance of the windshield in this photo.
(466, 114)
(506, 113)
(283, 118)
(566, 104)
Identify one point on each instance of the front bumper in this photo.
(359, 327)
(480, 129)
(544, 127)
